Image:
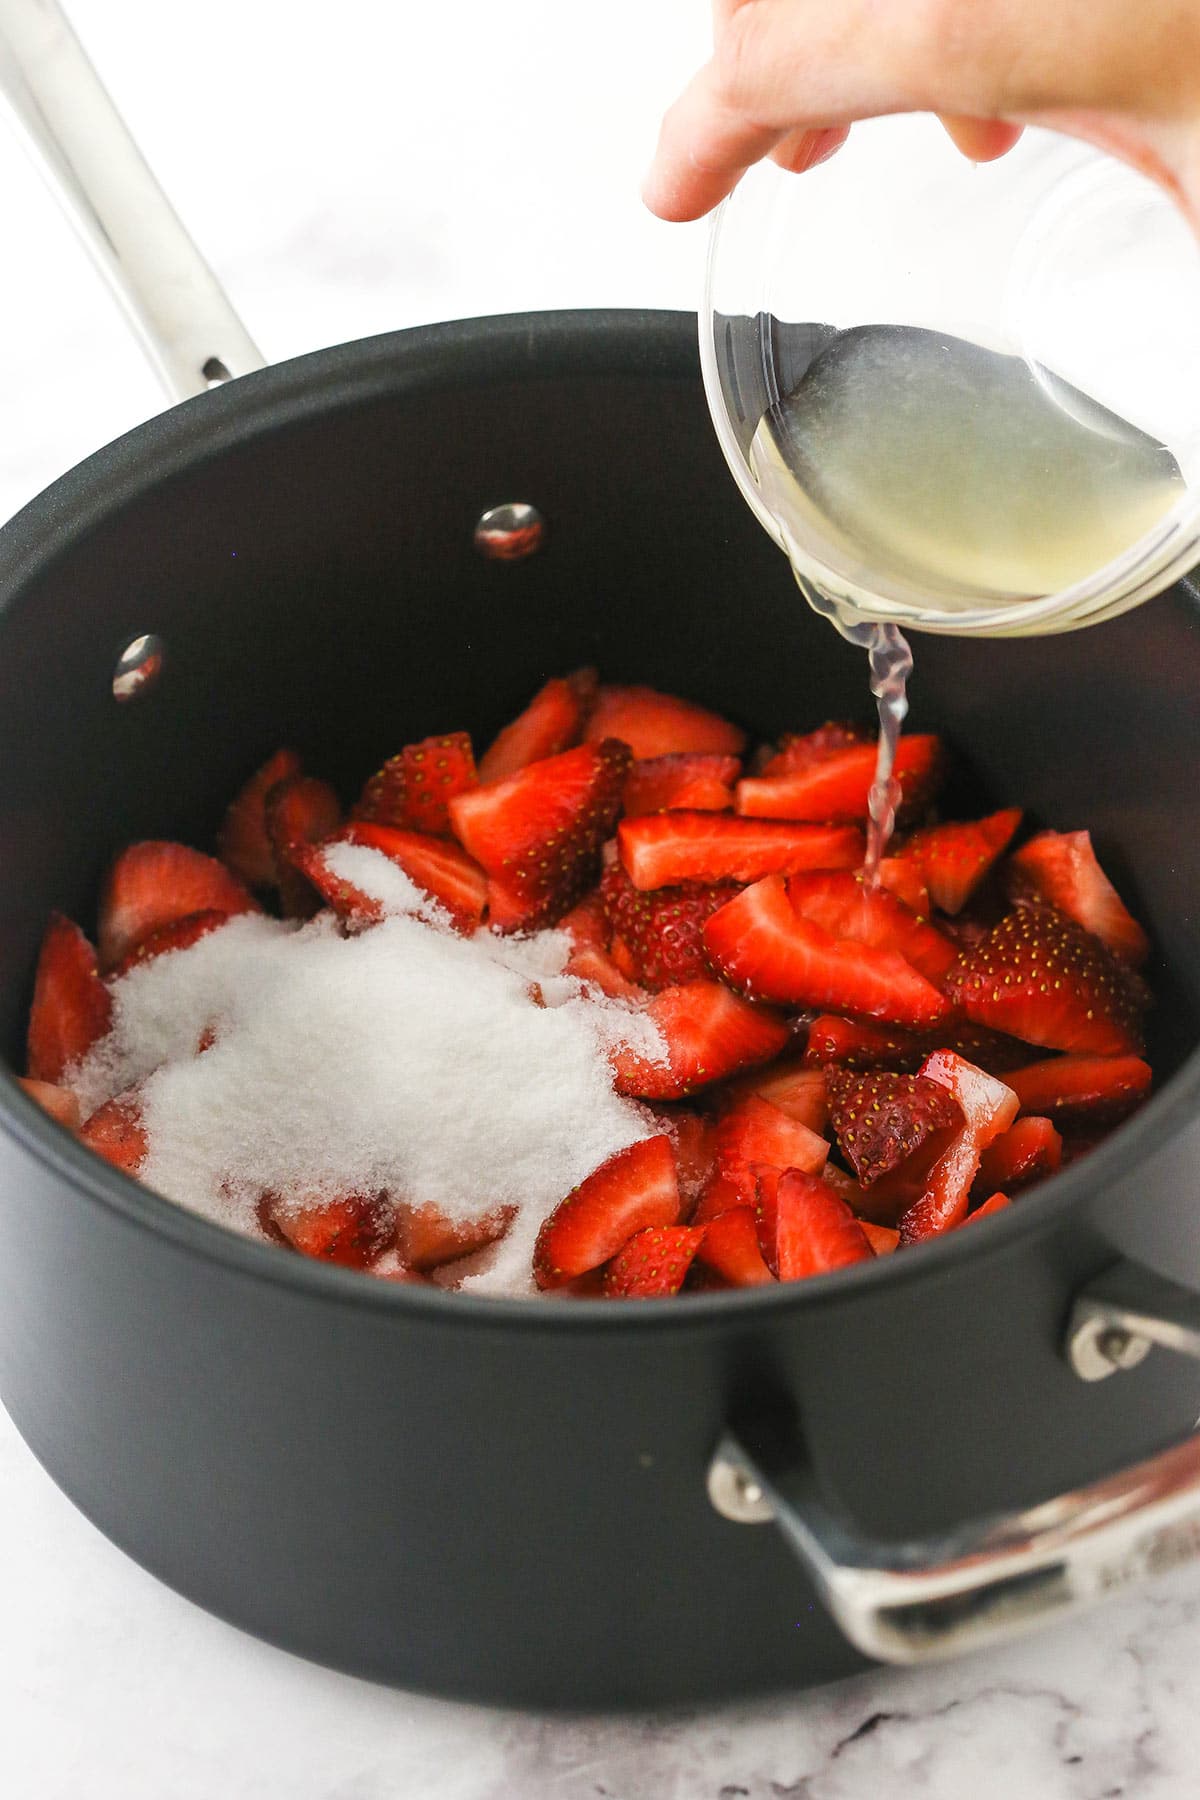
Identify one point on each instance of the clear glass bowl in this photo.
(1055, 255)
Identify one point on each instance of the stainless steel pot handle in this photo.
(994, 1578)
(190, 332)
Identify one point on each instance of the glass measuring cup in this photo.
(1013, 355)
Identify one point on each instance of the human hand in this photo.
(788, 78)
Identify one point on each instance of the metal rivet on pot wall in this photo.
(734, 1491)
(139, 666)
(509, 532)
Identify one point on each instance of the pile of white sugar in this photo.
(464, 1072)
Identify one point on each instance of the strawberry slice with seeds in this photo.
(708, 1033)
(599, 970)
(662, 929)
(854, 1045)
(242, 842)
(632, 1190)
(115, 1131)
(426, 1238)
(653, 1263)
(72, 1008)
(764, 948)
(955, 858)
(888, 1199)
(988, 1108)
(717, 1197)
(538, 833)
(815, 1231)
(792, 1086)
(1024, 1153)
(840, 903)
(835, 787)
(996, 1204)
(156, 883)
(655, 724)
(180, 934)
(686, 779)
(413, 789)
(1040, 977)
(754, 1136)
(59, 1102)
(882, 1238)
(438, 867)
(349, 1229)
(904, 878)
(1060, 867)
(692, 1140)
(663, 849)
(730, 1246)
(300, 811)
(1077, 1089)
(881, 1119)
(587, 924)
(801, 750)
(551, 723)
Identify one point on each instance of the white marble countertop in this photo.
(348, 170)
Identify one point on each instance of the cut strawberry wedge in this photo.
(1061, 867)
(156, 883)
(180, 934)
(634, 1189)
(887, 1200)
(1075, 1089)
(882, 1238)
(72, 1008)
(439, 868)
(765, 949)
(350, 1229)
(116, 1132)
(551, 723)
(662, 849)
(598, 968)
(905, 878)
(839, 903)
(1040, 977)
(653, 1263)
(792, 1086)
(655, 724)
(996, 1204)
(730, 1246)
(988, 1108)
(881, 1118)
(662, 929)
(854, 1045)
(835, 787)
(300, 811)
(687, 779)
(587, 924)
(414, 788)
(756, 1135)
(692, 1141)
(955, 858)
(708, 1034)
(801, 750)
(426, 1238)
(1024, 1153)
(815, 1231)
(59, 1102)
(718, 1196)
(538, 833)
(242, 842)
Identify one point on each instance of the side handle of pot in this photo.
(83, 149)
(991, 1579)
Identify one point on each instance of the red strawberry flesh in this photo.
(730, 1246)
(690, 780)
(156, 883)
(1062, 868)
(662, 929)
(653, 1263)
(757, 1135)
(655, 724)
(1029, 1149)
(840, 903)
(551, 723)
(71, 1008)
(634, 1189)
(815, 1231)
(955, 858)
(988, 1108)
(242, 842)
(835, 787)
(882, 1118)
(662, 849)
(1074, 1089)
(708, 1033)
(413, 789)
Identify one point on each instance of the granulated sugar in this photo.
(405, 1058)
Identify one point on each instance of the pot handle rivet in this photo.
(139, 666)
(1118, 1317)
(510, 532)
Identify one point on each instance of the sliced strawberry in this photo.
(719, 1196)
(653, 1263)
(835, 787)
(686, 779)
(180, 934)
(730, 1246)
(792, 1086)
(905, 878)
(988, 1108)
(765, 949)
(1040, 977)
(692, 1141)
(413, 789)
(634, 1189)
(71, 1009)
(551, 723)
(662, 849)
(881, 1118)
(599, 969)
(882, 1238)
(708, 1034)
(242, 842)
(838, 901)
(624, 958)
(439, 868)
(116, 1132)
(155, 883)
(801, 751)
(59, 1102)
(955, 858)
(888, 1199)
(1061, 868)
(1074, 1089)
(814, 1228)
(350, 1229)
(426, 1238)
(586, 924)
(755, 1135)
(655, 724)
(300, 811)
(1029, 1149)
(858, 1046)
(996, 1204)
(662, 929)
(538, 833)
